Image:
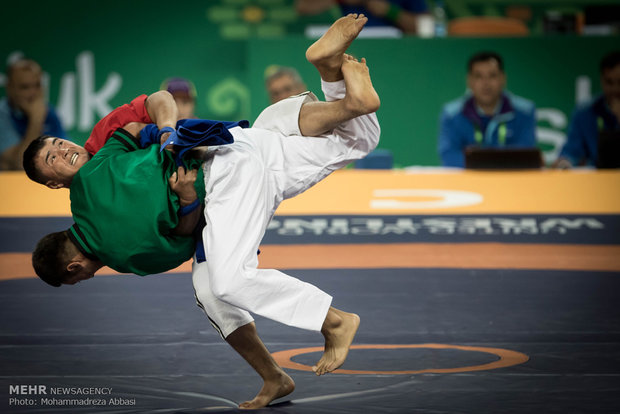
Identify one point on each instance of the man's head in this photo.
(282, 82)
(23, 83)
(184, 93)
(53, 161)
(57, 261)
(610, 76)
(486, 78)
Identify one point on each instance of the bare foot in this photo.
(339, 330)
(326, 54)
(361, 97)
(272, 390)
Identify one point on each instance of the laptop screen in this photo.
(478, 158)
(608, 149)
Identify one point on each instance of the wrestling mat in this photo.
(478, 292)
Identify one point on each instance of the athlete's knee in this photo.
(364, 130)
(222, 290)
(203, 295)
(371, 130)
(223, 281)
(371, 133)
(228, 282)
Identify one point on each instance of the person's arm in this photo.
(182, 183)
(529, 131)
(573, 151)
(163, 111)
(36, 111)
(614, 106)
(450, 150)
(312, 7)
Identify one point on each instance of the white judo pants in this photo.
(245, 182)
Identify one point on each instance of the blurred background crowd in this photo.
(538, 80)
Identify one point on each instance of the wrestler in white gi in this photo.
(246, 181)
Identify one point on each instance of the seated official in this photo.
(487, 116)
(598, 116)
(24, 113)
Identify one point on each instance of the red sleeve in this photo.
(135, 111)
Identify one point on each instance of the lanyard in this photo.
(501, 134)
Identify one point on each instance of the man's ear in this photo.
(74, 266)
(54, 184)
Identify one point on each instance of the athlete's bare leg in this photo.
(318, 118)
(339, 330)
(276, 383)
(327, 55)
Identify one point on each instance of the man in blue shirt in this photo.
(24, 114)
(400, 14)
(487, 116)
(600, 114)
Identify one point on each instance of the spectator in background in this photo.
(24, 113)
(184, 93)
(282, 82)
(600, 114)
(401, 14)
(487, 116)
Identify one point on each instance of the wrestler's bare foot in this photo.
(326, 54)
(339, 330)
(272, 390)
(361, 97)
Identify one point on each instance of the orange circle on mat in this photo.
(507, 358)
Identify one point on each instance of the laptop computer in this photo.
(608, 149)
(479, 158)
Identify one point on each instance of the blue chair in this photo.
(379, 159)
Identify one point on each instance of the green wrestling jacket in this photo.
(125, 211)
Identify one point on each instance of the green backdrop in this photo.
(414, 77)
(101, 54)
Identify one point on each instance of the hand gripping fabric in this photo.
(191, 133)
(198, 132)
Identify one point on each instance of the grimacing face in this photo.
(486, 82)
(59, 160)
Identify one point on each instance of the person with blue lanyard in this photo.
(601, 114)
(24, 113)
(487, 115)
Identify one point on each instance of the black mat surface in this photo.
(146, 341)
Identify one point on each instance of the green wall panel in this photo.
(100, 54)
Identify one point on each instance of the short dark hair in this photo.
(50, 258)
(275, 72)
(483, 57)
(610, 60)
(30, 156)
(22, 64)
